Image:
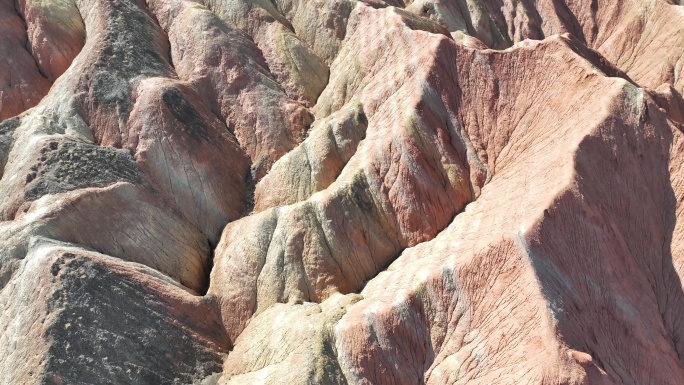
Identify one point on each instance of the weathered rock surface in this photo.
(21, 83)
(75, 316)
(341, 192)
(637, 36)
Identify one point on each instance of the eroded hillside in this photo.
(341, 192)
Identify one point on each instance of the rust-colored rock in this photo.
(341, 192)
(56, 34)
(21, 83)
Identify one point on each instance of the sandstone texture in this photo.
(341, 192)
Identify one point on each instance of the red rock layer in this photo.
(341, 192)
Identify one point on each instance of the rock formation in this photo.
(341, 192)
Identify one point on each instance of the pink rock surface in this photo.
(56, 34)
(177, 143)
(233, 78)
(636, 36)
(339, 238)
(671, 101)
(460, 308)
(21, 83)
(341, 192)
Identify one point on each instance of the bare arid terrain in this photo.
(342, 192)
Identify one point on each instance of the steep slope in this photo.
(341, 192)
(525, 285)
(641, 37)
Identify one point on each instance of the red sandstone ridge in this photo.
(341, 192)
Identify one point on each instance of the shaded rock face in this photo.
(80, 322)
(341, 192)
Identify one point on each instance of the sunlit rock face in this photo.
(341, 192)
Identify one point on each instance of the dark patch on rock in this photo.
(67, 166)
(121, 61)
(185, 113)
(111, 90)
(109, 329)
(361, 194)
(7, 128)
(362, 119)
(250, 184)
(329, 371)
(127, 23)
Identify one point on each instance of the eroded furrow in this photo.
(21, 83)
(340, 192)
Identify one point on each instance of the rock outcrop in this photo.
(341, 192)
